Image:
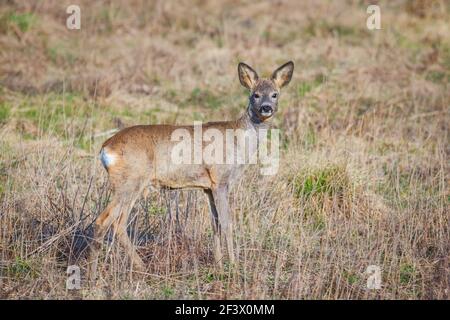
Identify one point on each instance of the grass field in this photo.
(364, 170)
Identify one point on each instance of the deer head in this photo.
(264, 93)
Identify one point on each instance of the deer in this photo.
(138, 157)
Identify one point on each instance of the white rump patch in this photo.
(106, 158)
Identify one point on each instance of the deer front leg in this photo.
(216, 228)
(220, 196)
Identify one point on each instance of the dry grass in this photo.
(364, 174)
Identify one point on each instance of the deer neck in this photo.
(249, 120)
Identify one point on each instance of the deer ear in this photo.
(247, 76)
(282, 76)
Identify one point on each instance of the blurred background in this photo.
(364, 173)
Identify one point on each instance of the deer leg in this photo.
(116, 214)
(120, 229)
(101, 226)
(220, 196)
(216, 228)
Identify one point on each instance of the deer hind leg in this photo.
(120, 229)
(116, 214)
(216, 228)
(101, 226)
(220, 196)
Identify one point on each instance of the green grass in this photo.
(4, 112)
(157, 210)
(204, 98)
(407, 273)
(330, 180)
(167, 292)
(20, 268)
(84, 143)
(438, 77)
(445, 56)
(395, 187)
(351, 277)
(413, 47)
(312, 187)
(306, 87)
(4, 149)
(54, 113)
(317, 219)
(310, 138)
(61, 54)
(62, 115)
(23, 21)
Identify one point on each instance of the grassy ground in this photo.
(364, 170)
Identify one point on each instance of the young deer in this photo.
(139, 156)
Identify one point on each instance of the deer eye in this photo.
(256, 95)
(275, 95)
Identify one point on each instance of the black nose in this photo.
(266, 108)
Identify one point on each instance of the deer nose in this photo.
(266, 108)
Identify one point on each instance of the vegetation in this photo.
(363, 178)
